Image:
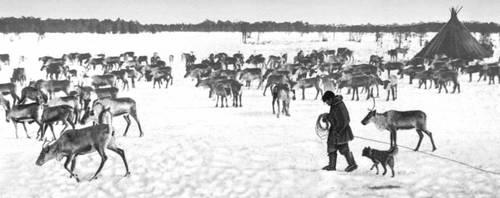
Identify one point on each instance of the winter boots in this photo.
(332, 162)
(350, 161)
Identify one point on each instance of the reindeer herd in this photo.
(94, 98)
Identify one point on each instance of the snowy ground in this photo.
(191, 149)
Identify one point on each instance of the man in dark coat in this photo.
(340, 132)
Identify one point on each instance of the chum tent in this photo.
(455, 41)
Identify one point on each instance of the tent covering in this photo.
(455, 41)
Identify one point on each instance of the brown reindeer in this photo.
(309, 83)
(395, 120)
(73, 143)
(281, 93)
(9, 88)
(125, 107)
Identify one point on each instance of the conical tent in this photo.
(455, 41)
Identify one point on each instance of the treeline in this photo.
(119, 26)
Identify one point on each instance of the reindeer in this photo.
(250, 74)
(18, 75)
(222, 91)
(103, 80)
(50, 87)
(52, 69)
(24, 113)
(276, 61)
(109, 92)
(475, 69)
(345, 53)
(31, 93)
(309, 83)
(235, 88)
(161, 75)
(125, 107)
(5, 59)
(393, 66)
(51, 115)
(411, 71)
(257, 60)
(73, 100)
(275, 79)
(96, 61)
(376, 60)
(121, 75)
(391, 85)
(190, 58)
(210, 83)
(142, 59)
(354, 82)
(84, 58)
(394, 120)
(423, 77)
(442, 77)
(398, 50)
(9, 88)
(281, 93)
(73, 143)
(492, 71)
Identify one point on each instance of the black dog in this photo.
(383, 157)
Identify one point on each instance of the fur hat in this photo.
(327, 95)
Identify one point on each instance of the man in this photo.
(339, 133)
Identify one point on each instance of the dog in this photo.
(382, 157)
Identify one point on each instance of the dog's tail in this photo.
(393, 151)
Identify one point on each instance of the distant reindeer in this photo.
(52, 69)
(356, 82)
(471, 69)
(4, 59)
(391, 86)
(24, 113)
(423, 77)
(493, 71)
(9, 88)
(257, 60)
(398, 50)
(171, 59)
(309, 83)
(103, 80)
(51, 115)
(443, 77)
(84, 58)
(109, 92)
(250, 74)
(18, 75)
(393, 66)
(395, 120)
(50, 87)
(274, 79)
(281, 93)
(125, 107)
(83, 141)
(222, 91)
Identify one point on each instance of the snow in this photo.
(192, 149)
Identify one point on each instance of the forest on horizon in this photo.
(119, 26)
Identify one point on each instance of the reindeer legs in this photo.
(68, 160)
(104, 157)
(127, 119)
(420, 137)
(120, 152)
(26, 131)
(430, 136)
(134, 115)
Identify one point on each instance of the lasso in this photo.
(322, 131)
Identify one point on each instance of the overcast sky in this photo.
(312, 11)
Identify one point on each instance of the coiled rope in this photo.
(322, 133)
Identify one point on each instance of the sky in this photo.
(312, 11)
